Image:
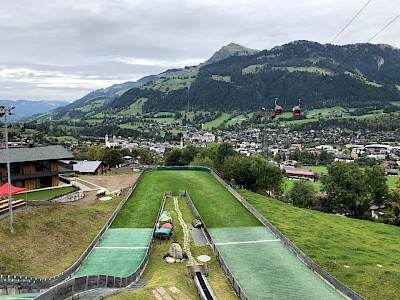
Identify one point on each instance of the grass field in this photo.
(218, 121)
(367, 116)
(129, 126)
(396, 103)
(136, 107)
(324, 111)
(63, 138)
(297, 122)
(205, 191)
(391, 181)
(289, 184)
(164, 120)
(45, 195)
(237, 119)
(361, 254)
(317, 169)
(252, 69)
(137, 213)
(305, 69)
(221, 78)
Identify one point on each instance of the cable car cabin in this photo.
(278, 110)
(296, 111)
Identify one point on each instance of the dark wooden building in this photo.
(33, 167)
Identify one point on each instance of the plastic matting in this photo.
(119, 253)
(265, 268)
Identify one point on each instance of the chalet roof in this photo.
(55, 152)
(392, 171)
(296, 171)
(86, 166)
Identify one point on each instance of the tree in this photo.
(209, 151)
(94, 153)
(302, 194)
(224, 150)
(394, 204)
(277, 157)
(375, 179)
(147, 156)
(200, 160)
(112, 157)
(346, 189)
(267, 178)
(173, 157)
(325, 158)
(187, 155)
(238, 167)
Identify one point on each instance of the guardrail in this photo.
(336, 284)
(34, 284)
(78, 285)
(239, 291)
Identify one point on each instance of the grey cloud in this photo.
(116, 41)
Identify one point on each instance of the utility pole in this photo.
(188, 106)
(4, 112)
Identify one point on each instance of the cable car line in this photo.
(326, 45)
(350, 56)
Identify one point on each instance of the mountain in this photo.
(230, 50)
(27, 108)
(356, 75)
(242, 79)
(100, 97)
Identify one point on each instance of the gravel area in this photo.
(110, 182)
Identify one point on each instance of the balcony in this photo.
(31, 175)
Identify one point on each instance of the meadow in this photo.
(45, 195)
(216, 122)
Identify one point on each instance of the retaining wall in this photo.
(73, 196)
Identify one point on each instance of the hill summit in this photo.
(230, 50)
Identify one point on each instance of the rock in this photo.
(170, 260)
(175, 251)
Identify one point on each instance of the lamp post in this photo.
(4, 112)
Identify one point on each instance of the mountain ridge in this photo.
(244, 79)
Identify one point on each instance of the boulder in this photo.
(175, 251)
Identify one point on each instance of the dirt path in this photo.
(110, 182)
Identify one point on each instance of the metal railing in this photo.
(236, 286)
(78, 285)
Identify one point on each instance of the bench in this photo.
(17, 203)
(3, 201)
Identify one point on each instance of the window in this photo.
(43, 166)
(15, 168)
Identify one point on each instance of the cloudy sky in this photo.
(63, 49)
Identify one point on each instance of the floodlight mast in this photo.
(4, 112)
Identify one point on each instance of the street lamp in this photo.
(4, 112)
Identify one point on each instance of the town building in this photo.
(89, 167)
(33, 167)
(111, 141)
